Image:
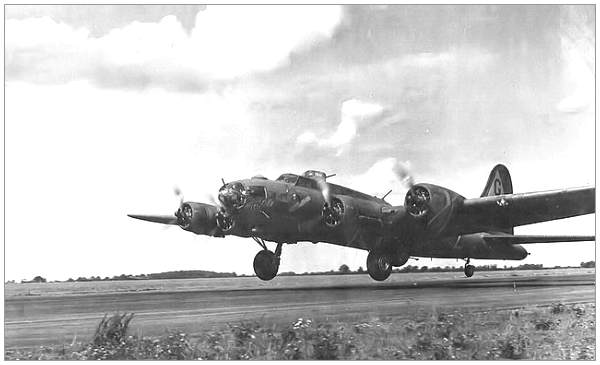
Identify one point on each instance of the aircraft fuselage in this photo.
(287, 212)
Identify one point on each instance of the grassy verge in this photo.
(557, 332)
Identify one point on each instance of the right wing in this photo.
(488, 214)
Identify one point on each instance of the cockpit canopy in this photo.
(313, 174)
(301, 181)
(288, 178)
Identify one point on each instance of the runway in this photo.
(45, 320)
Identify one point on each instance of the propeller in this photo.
(224, 220)
(417, 200)
(403, 174)
(183, 212)
(214, 201)
(333, 209)
(178, 194)
(324, 188)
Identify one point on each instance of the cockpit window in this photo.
(258, 192)
(288, 178)
(306, 183)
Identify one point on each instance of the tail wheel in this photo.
(379, 265)
(469, 270)
(266, 265)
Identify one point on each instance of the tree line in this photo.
(343, 269)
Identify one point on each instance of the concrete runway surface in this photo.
(44, 320)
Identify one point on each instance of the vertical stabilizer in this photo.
(499, 183)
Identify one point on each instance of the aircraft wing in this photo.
(502, 212)
(164, 219)
(524, 239)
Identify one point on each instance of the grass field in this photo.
(248, 283)
(557, 332)
(409, 316)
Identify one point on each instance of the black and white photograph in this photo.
(299, 182)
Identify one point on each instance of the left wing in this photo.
(491, 213)
(164, 219)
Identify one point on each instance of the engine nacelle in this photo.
(224, 222)
(333, 214)
(433, 205)
(199, 218)
(341, 212)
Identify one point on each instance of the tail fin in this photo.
(499, 183)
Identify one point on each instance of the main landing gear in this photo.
(266, 263)
(469, 269)
(379, 265)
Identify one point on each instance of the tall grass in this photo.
(542, 333)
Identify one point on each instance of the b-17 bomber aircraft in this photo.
(434, 221)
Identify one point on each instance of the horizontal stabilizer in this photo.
(523, 239)
(164, 219)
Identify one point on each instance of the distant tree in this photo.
(360, 269)
(70, 280)
(410, 268)
(424, 268)
(530, 267)
(344, 269)
(588, 264)
(38, 279)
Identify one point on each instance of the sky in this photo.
(109, 107)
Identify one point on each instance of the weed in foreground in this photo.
(568, 334)
(112, 330)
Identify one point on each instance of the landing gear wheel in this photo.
(469, 270)
(379, 265)
(266, 265)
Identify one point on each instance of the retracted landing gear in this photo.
(469, 269)
(379, 265)
(266, 263)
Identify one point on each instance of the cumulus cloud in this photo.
(226, 42)
(577, 53)
(579, 79)
(385, 174)
(355, 114)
